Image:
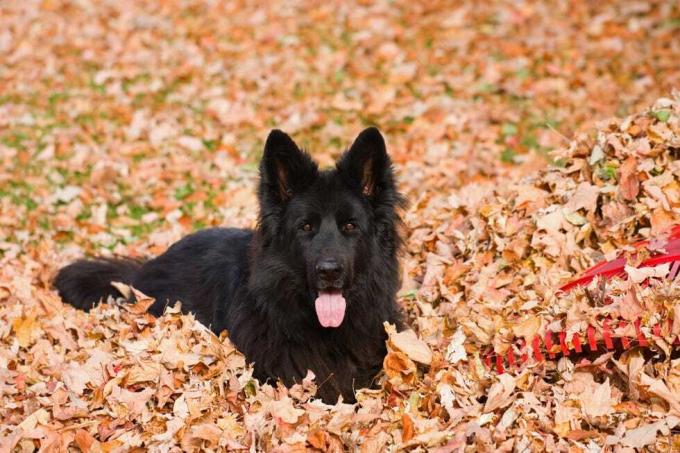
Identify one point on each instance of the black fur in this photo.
(84, 283)
(333, 231)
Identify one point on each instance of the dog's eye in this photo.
(349, 226)
(306, 227)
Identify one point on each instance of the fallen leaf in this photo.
(407, 428)
(644, 435)
(455, 351)
(500, 394)
(39, 417)
(596, 400)
(317, 438)
(284, 410)
(84, 440)
(25, 328)
(638, 275)
(629, 185)
(415, 348)
(527, 328)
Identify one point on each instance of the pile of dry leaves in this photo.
(125, 125)
(497, 256)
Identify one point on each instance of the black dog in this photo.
(310, 288)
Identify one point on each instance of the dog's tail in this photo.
(85, 283)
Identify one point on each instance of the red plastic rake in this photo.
(554, 344)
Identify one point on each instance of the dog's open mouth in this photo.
(330, 308)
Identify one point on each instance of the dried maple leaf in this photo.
(317, 438)
(85, 441)
(408, 342)
(659, 388)
(26, 329)
(500, 394)
(284, 410)
(596, 400)
(205, 435)
(399, 368)
(455, 351)
(142, 302)
(638, 275)
(644, 435)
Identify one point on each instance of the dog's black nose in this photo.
(329, 269)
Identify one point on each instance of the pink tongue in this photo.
(330, 308)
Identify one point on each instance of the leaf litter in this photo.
(124, 126)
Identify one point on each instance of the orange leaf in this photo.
(317, 439)
(84, 440)
(23, 328)
(527, 328)
(407, 428)
(142, 301)
(661, 220)
(398, 363)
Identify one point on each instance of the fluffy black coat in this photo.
(331, 233)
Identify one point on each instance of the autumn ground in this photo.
(125, 125)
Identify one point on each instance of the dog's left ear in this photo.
(366, 164)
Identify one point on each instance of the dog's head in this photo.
(329, 224)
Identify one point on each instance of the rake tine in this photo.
(576, 341)
(537, 350)
(640, 336)
(563, 343)
(549, 344)
(607, 335)
(592, 343)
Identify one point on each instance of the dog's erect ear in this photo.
(284, 169)
(366, 164)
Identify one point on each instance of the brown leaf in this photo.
(198, 435)
(596, 400)
(661, 220)
(644, 435)
(39, 417)
(415, 348)
(500, 394)
(527, 328)
(585, 197)
(285, 410)
(659, 388)
(144, 371)
(335, 445)
(630, 308)
(675, 328)
(629, 184)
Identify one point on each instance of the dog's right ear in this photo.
(285, 169)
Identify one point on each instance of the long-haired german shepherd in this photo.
(309, 288)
